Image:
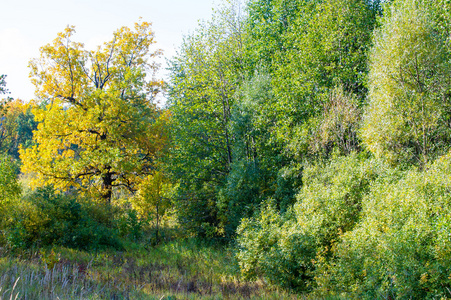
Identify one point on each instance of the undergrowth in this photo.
(180, 269)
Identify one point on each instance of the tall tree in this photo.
(407, 119)
(205, 75)
(310, 48)
(99, 128)
(326, 47)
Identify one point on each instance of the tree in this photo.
(266, 25)
(205, 76)
(408, 117)
(259, 165)
(3, 91)
(98, 126)
(153, 198)
(9, 186)
(16, 127)
(10, 191)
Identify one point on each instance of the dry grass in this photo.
(176, 270)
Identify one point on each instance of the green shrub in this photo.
(402, 247)
(272, 247)
(331, 199)
(45, 217)
(282, 247)
(129, 225)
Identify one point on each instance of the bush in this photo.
(45, 217)
(272, 247)
(330, 201)
(402, 247)
(282, 247)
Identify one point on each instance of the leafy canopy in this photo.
(98, 126)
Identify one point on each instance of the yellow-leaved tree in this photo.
(153, 198)
(99, 127)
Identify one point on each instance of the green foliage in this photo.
(10, 191)
(334, 130)
(9, 186)
(281, 248)
(401, 248)
(130, 226)
(270, 246)
(252, 176)
(242, 92)
(205, 76)
(16, 127)
(325, 46)
(266, 25)
(45, 217)
(330, 201)
(408, 115)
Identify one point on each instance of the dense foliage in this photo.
(334, 111)
(310, 135)
(99, 128)
(408, 114)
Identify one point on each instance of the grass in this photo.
(179, 269)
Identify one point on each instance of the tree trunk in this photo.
(107, 187)
(157, 238)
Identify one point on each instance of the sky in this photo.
(27, 25)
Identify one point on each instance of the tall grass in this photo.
(181, 269)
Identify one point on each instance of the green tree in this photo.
(266, 24)
(310, 48)
(16, 127)
(98, 126)
(10, 187)
(408, 114)
(205, 76)
(10, 191)
(3, 89)
(259, 168)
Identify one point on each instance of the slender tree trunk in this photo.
(225, 114)
(107, 187)
(157, 238)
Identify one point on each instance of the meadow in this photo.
(177, 269)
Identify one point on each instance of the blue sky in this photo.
(26, 25)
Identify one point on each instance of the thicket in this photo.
(44, 217)
(371, 224)
(340, 121)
